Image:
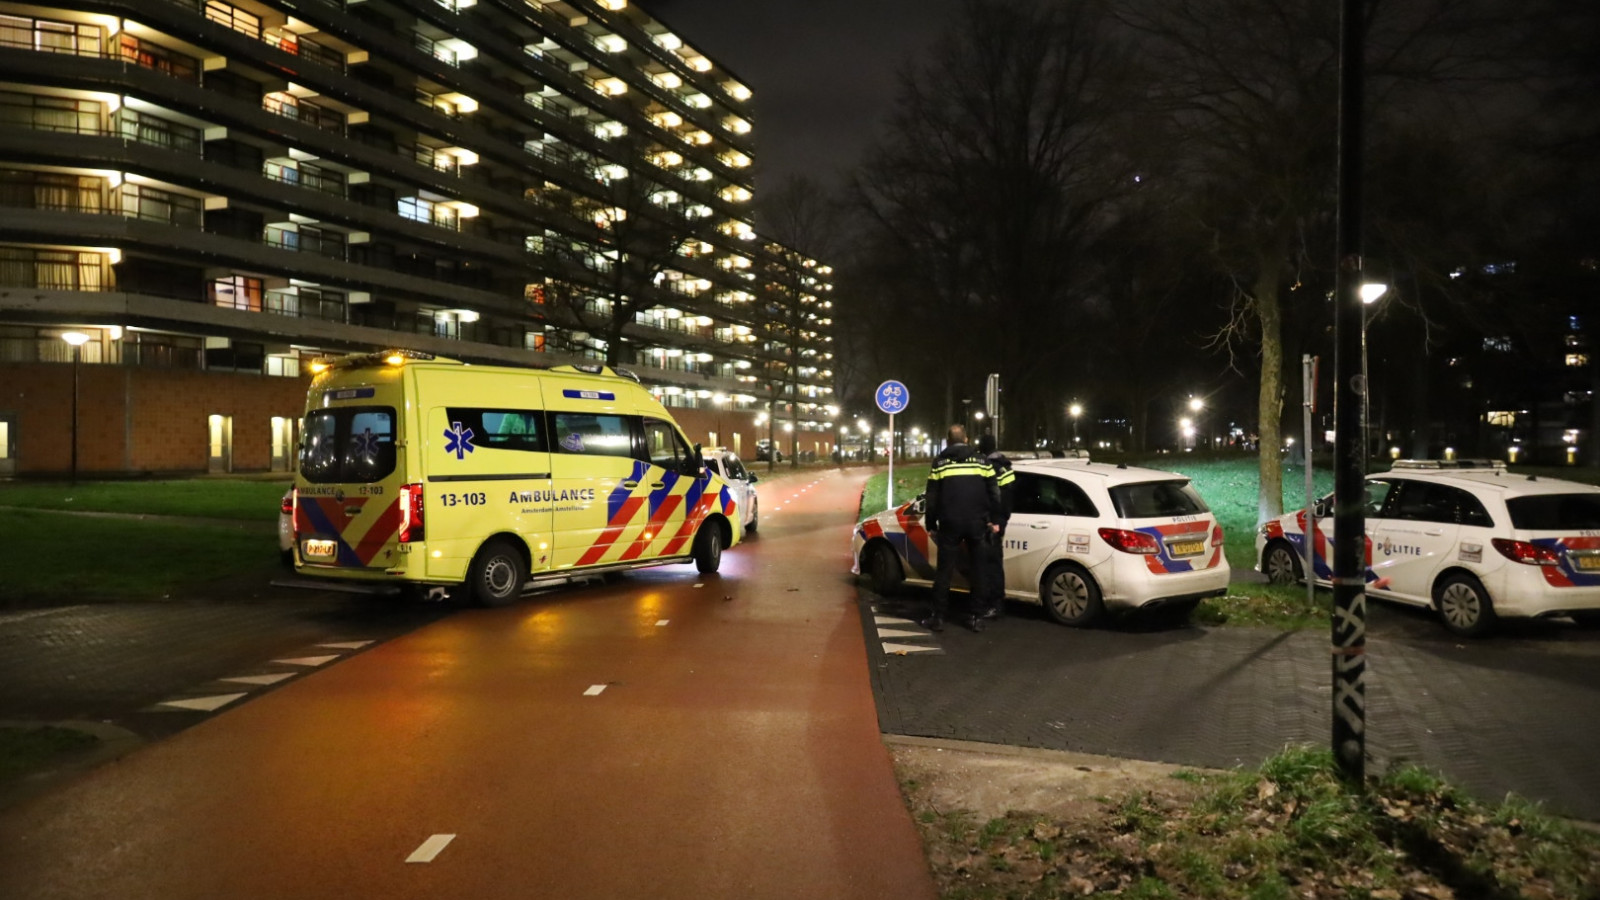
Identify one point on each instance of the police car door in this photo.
(1042, 523)
(1413, 537)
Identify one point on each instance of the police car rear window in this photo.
(1555, 512)
(1157, 499)
(352, 444)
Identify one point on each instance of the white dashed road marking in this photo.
(430, 848)
(259, 679)
(346, 645)
(307, 660)
(662, 623)
(594, 690)
(895, 632)
(891, 620)
(908, 648)
(203, 704)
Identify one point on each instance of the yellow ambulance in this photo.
(425, 471)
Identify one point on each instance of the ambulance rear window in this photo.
(353, 444)
(1555, 512)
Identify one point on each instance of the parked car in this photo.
(741, 482)
(1466, 538)
(1085, 539)
(765, 451)
(286, 528)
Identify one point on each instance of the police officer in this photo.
(992, 597)
(963, 504)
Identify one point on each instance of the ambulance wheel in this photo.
(1281, 564)
(1071, 597)
(1464, 605)
(708, 548)
(883, 567)
(497, 574)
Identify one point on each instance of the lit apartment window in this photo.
(1577, 359)
(233, 17)
(237, 292)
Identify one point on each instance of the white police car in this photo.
(1084, 539)
(1466, 538)
(741, 483)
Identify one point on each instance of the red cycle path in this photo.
(733, 752)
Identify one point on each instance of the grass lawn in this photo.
(207, 498)
(1290, 829)
(25, 749)
(47, 556)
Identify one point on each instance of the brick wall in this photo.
(739, 432)
(133, 420)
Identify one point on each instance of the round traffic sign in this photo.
(892, 397)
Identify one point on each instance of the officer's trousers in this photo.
(953, 539)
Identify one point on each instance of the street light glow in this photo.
(1372, 290)
(1075, 410)
(75, 338)
(1196, 404)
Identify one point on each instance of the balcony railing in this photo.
(435, 49)
(327, 183)
(305, 240)
(305, 111)
(305, 48)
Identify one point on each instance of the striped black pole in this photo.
(1349, 525)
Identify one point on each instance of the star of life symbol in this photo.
(366, 443)
(458, 440)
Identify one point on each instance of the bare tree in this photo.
(998, 162)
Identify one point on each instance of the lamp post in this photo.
(77, 339)
(1075, 410)
(1371, 292)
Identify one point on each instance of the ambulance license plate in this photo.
(1587, 562)
(318, 549)
(1188, 548)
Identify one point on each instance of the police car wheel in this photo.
(497, 574)
(755, 513)
(708, 548)
(1464, 605)
(1281, 564)
(1071, 596)
(883, 566)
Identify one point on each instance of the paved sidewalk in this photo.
(1496, 716)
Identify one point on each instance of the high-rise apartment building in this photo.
(208, 195)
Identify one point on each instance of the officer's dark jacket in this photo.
(1007, 480)
(961, 487)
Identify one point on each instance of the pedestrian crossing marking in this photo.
(259, 679)
(891, 620)
(202, 704)
(895, 632)
(430, 848)
(347, 645)
(907, 648)
(306, 660)
(594, 690)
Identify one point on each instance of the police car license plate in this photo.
(1188, 548)
(1587, 562)
(319, 549)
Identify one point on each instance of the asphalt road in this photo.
(665, 734)
(1519, 712)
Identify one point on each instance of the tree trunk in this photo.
(1269, 403)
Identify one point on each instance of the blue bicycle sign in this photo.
(893, 397)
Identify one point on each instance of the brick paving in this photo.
(1519, 713)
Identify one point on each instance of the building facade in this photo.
(208, 196)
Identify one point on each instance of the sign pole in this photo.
(891, 461)
(1308, 377)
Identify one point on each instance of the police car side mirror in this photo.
(751, 477)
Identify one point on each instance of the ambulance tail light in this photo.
(411, 529)
(1130, 541)
(1526, 553)
(1216, 536)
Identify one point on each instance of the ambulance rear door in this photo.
(348, 507)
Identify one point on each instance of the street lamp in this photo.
(1075, 410)
(77, 339)
(1371, 292)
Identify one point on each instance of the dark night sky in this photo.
(823, 71)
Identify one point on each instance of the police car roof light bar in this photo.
(1448, 464)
